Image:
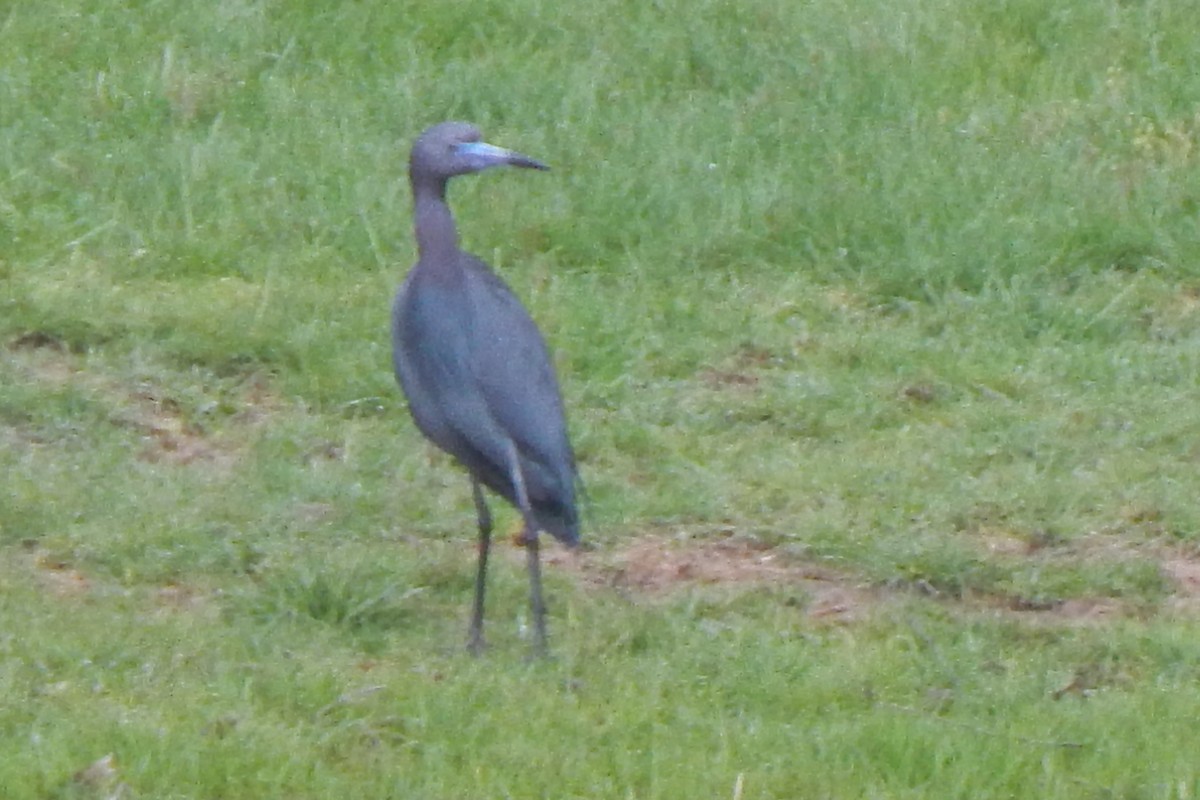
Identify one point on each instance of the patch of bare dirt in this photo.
(921, 393)
(740, 371)
(59, 578)
(999, 542)
(178, 597)
(1136, 534)
(656, 566)
(167, 434)
(718, 379)
(1183, 571)
(1090, 609)
(45, 358)
(1079, 611)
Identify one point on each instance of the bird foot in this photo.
(519, 536)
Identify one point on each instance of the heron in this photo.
(475, 369)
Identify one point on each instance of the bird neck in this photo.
(432, 221)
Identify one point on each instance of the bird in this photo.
(476, 371)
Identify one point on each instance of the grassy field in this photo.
(879, 329)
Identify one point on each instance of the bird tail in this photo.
(560, 520)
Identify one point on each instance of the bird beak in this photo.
(483, 155)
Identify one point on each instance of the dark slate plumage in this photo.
(479, 380)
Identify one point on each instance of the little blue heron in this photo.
(479, 381)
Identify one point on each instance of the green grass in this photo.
(902, 293)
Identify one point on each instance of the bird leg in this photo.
(475, 642)
(537, 607)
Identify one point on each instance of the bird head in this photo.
(457, 148)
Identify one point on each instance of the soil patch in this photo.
(657, 566)
(168, 433)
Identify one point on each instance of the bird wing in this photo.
(516, 378)
(479, 381)
(432, 355)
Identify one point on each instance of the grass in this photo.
(902, 294)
